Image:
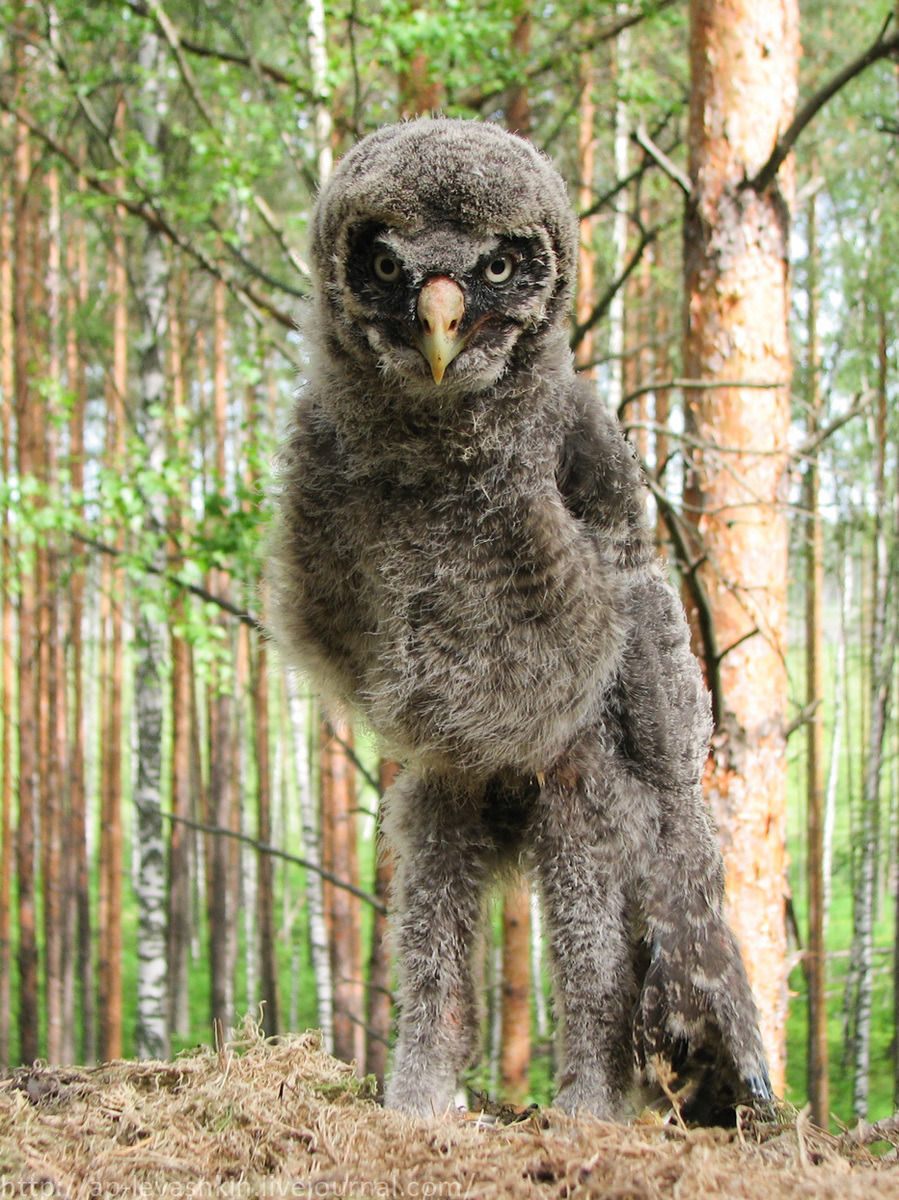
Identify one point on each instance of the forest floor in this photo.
(281, 1118)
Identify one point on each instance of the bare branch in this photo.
(173, 37)
(265, 848)
(350, 752)
(689, 568)
(242, 614)
(148, 211)
(605, 33)
(881, 47)
(810, 445)
(665, 385)
(275, 74)
(671, 169)
(802, 718)
(579, 330)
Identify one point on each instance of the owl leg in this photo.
(442, 872)
(594, 981)
(697, 1015)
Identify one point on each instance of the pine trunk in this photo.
(312, 850)
(744, 79)
(515, 1058)
(268, 962)
(620, 222)
(76, 268)
(379, 1002)
(7, 613)
(27, 459)
(518, 100)
(339, 856)
(222, 722)
(586, 159)
(109, 908)
(56, 900)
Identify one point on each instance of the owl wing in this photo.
(600, 482)
(696, 1022)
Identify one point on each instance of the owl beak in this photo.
(440, 308)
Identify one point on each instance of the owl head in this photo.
(445, 255)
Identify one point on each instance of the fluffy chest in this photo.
(494, 622)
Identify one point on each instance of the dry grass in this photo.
(278, 1119)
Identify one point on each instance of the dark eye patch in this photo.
(513, 271)
(372, 267)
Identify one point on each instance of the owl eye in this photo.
(500, 269)
(386, 268)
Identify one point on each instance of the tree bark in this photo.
(180, 838)
(76, 268)
(151, 284)
(222, 929)
(312, 850)
(515, 1058)
(7, 610)
(339, 856)
(744, 80)
(518, 99)
(378, 999)
(28, 455)
(586, 158)
(879, 684)
(815, 960)
(55, 891)
(620, 222)
(109, 908)
(268, 963)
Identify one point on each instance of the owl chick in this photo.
(461, 557)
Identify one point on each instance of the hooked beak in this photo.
(440, 308)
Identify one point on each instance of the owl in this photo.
(461, 559)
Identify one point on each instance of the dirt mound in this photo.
(281, 1118)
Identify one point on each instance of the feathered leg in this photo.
(595, 986)
(442, 872)
(697, 1015)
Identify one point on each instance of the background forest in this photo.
(183, 834)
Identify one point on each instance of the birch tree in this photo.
(816, 962)
(151, 1037)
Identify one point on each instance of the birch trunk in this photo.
(879, 697)
(816, 961)
(318, 61)
(180, 839)
(151, 1034)
(836, 737)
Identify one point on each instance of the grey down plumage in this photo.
(460, 556)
